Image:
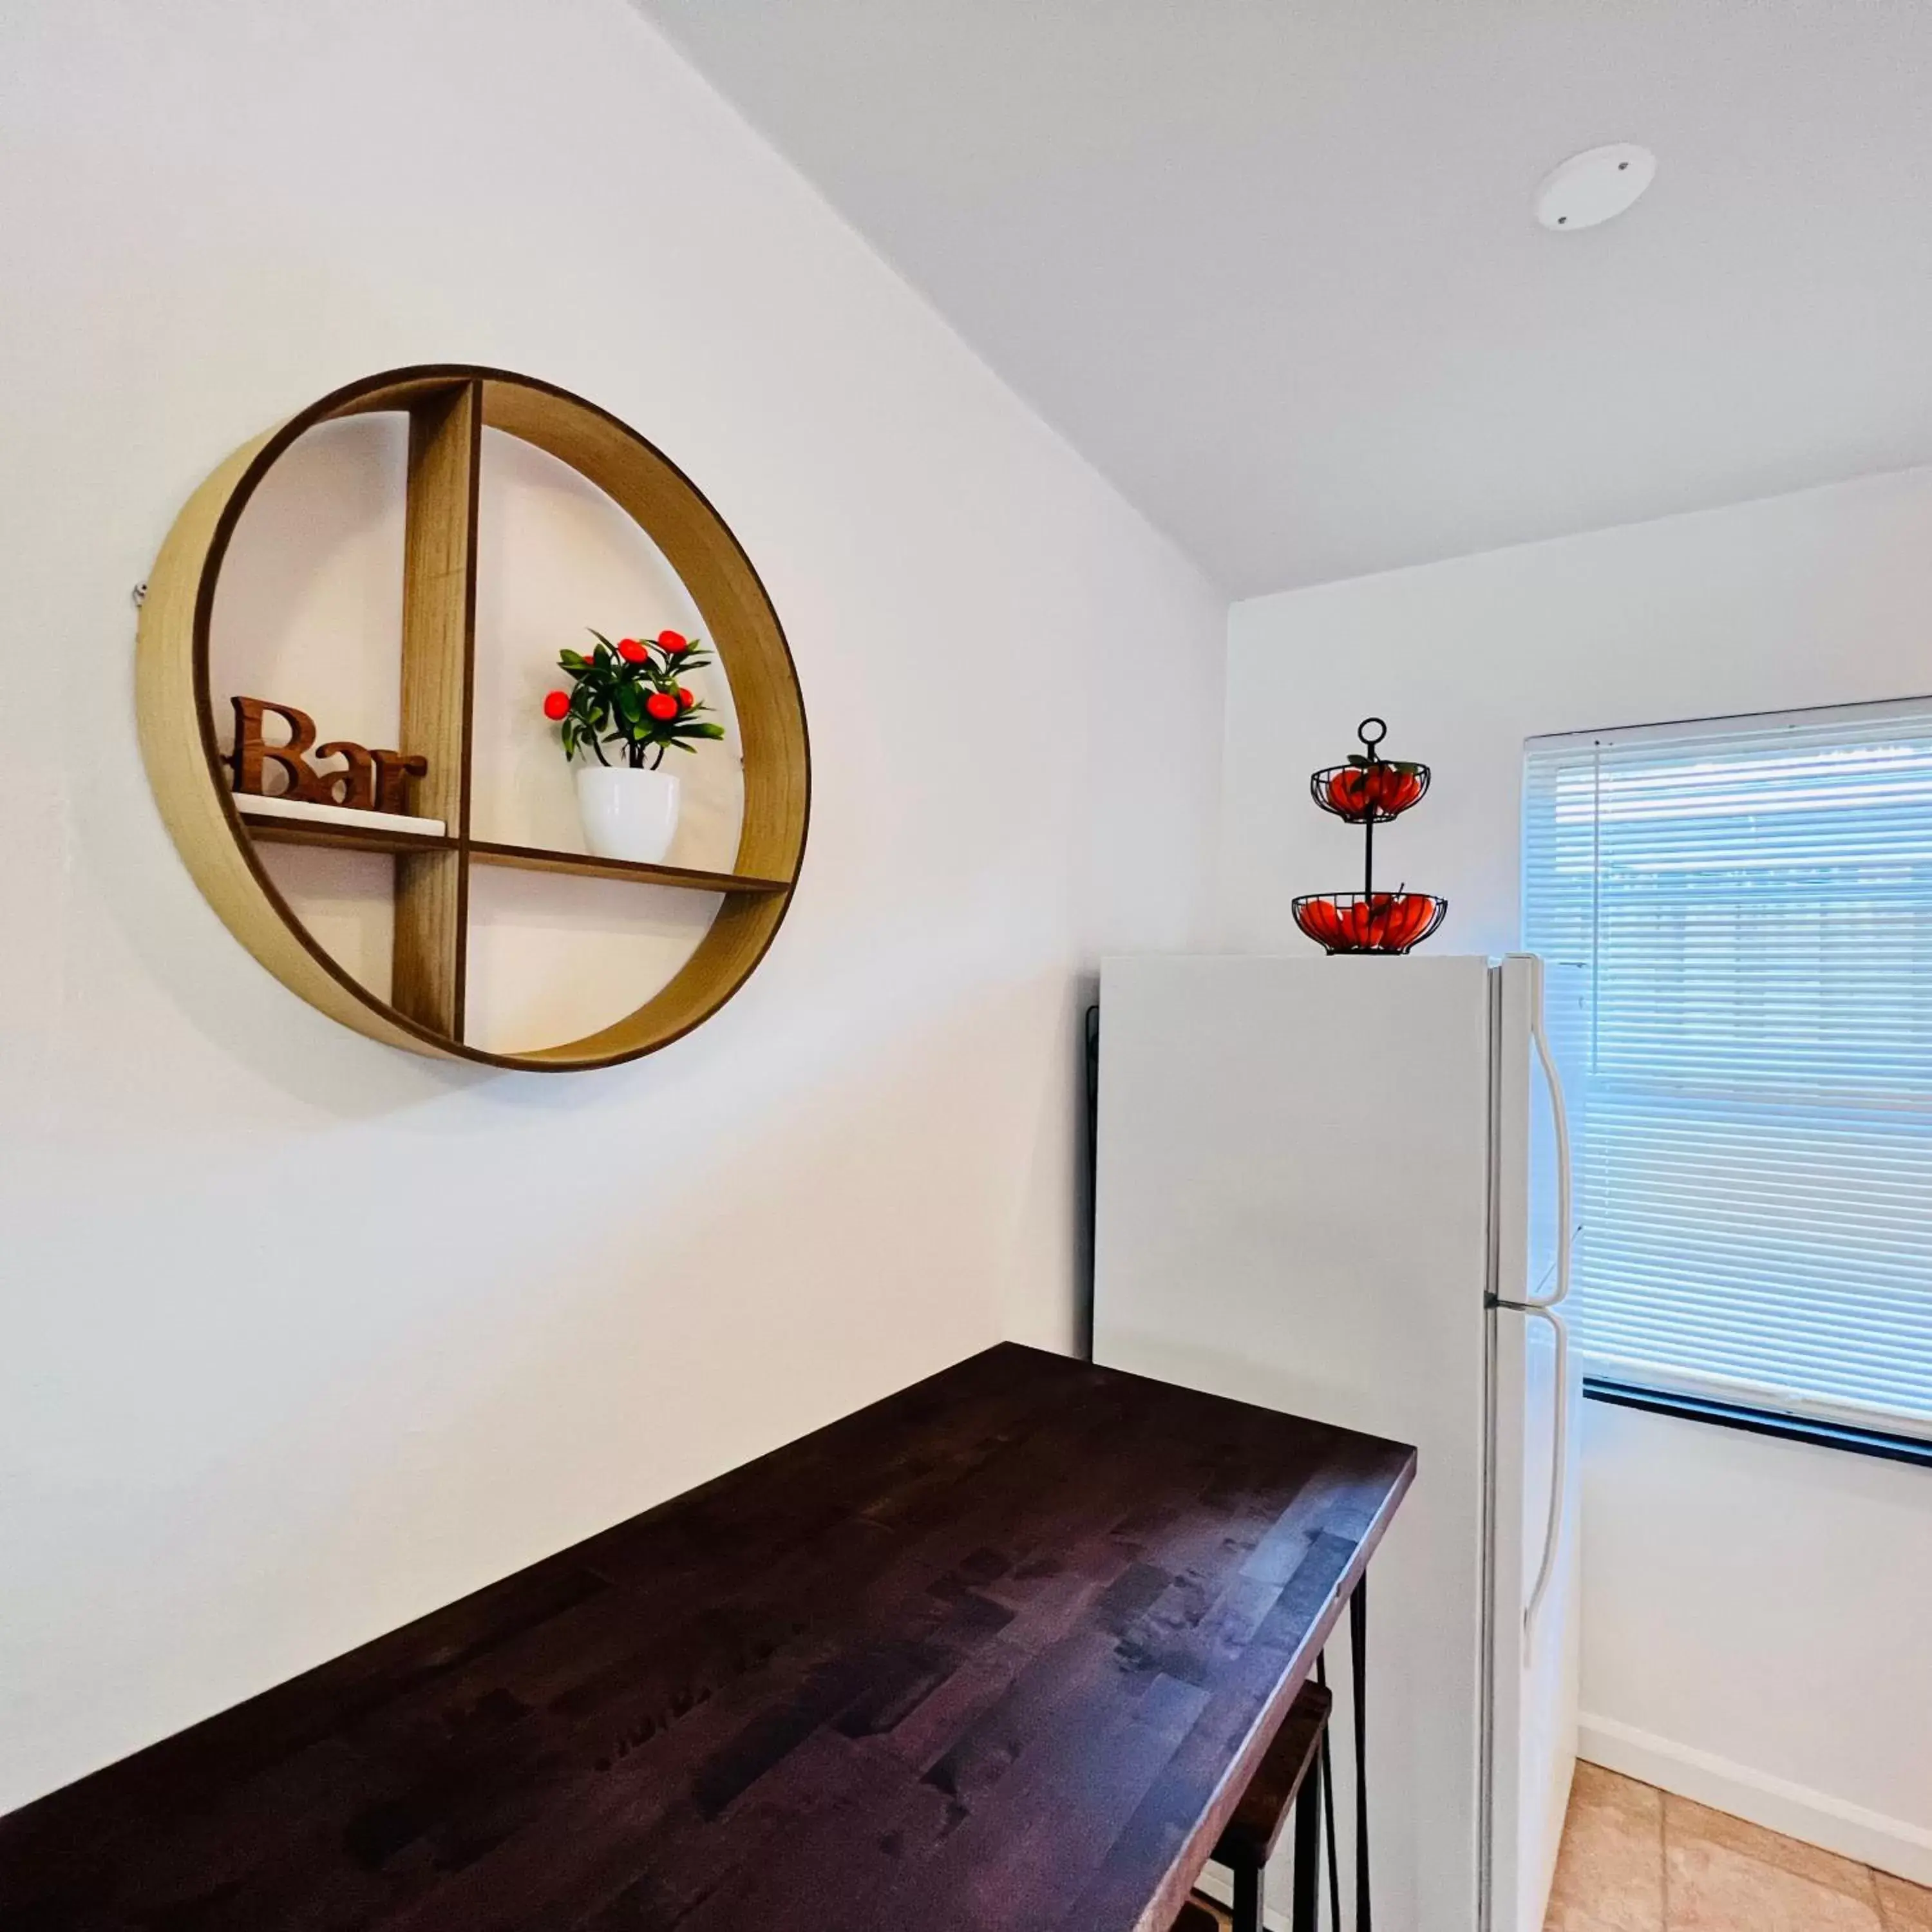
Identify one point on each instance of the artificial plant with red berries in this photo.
(632, 695)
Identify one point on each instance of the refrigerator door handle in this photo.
(1559, 1119)
(1559, 1464)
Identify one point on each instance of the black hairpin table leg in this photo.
(1305, 1915)
(1358, 1645)
(1326, 1767)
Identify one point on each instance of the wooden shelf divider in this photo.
(432, 937)
(492, 852)
(535, 859)
(344, 837)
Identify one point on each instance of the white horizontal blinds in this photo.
(1754, 904)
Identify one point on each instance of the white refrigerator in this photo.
(1340, 1187)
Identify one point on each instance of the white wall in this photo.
(1754, 1618)
(304, 1335)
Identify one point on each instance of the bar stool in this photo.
(1290, 1776)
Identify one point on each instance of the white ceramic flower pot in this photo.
(626, 813)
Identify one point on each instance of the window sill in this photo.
(1887, 1448)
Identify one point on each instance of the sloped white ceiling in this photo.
(1271, 265)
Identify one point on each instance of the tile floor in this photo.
(1636, 1859)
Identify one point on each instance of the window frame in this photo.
(1739, 1403)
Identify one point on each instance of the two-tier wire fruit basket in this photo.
(1369, 790)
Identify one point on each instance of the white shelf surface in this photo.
(251, 804)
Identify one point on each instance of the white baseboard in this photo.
(1850, 1830)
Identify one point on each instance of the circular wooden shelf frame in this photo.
(449, 406)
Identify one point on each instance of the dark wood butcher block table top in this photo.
(998, 1651)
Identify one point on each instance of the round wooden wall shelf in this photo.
(449, 407)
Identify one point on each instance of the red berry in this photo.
(557, 704)
(662, 704)
(685, 698)
(1393, 790)
(1348, 791)
(674, 641)
(632, 652)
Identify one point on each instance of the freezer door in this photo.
(1533, 996)
(1565, 1021)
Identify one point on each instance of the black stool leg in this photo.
(1327, 1767)
(1247, 1898)
(1308, 1853)
(1358, 1636)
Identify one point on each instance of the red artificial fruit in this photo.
(1356, 790)
(557, 704)
(685, 698)
(662, 704)
(1387, 923)
(1394, 787)
(632, 651)
(1348, 790)
(674, 641)
(1317, 921)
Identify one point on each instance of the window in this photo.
(1753, 901)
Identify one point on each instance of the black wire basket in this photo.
(1368, 921)
(1369, 790)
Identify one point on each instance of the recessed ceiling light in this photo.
(1594, 186)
